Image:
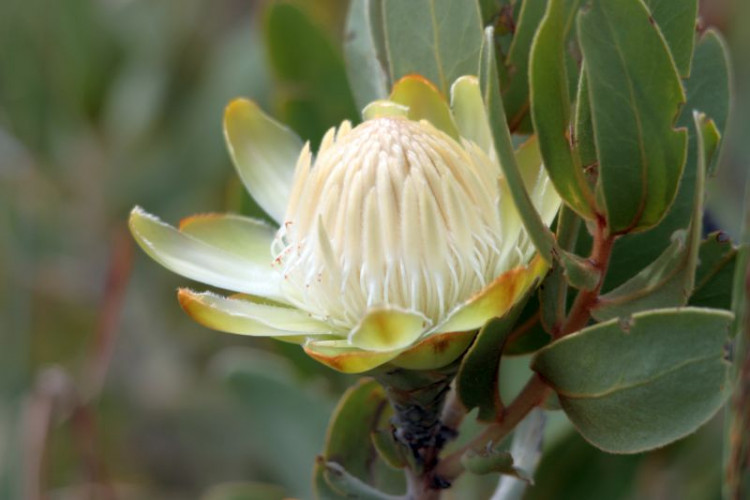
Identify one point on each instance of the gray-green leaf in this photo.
(669, 280)
(348, 441)
(366, 74)
(635, 94)
(350, 486)
(707, 90)
(713, 279)
(550, 112)
(438, 39)
(676, 20)
(540, 235)
(641, 383)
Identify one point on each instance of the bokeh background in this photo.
(107, 390)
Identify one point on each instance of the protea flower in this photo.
(395, 242)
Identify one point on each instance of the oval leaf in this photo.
(477, 379)
(669, 280)
(348, 439)
(631, 386)
(707, 90)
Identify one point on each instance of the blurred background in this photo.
(107, 390)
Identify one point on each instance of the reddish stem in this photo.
(580, 312)
(531, 396)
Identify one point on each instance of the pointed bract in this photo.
(203, 261)
(264, 153)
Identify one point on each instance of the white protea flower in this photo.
(396, 242)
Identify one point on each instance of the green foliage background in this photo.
(107, 104)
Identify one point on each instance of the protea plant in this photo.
(406, 246)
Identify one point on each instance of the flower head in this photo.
(396, 241)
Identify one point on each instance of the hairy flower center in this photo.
(391, 213)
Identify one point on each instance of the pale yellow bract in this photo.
(396, 241)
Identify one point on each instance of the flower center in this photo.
(391, 213)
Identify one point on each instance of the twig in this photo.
(580, 312)
(533, 394)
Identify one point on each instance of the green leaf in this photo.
(528, 334)
(352, 422)
(350, 486)
(584, 135)
(634, 385)
(392, 452)
(666, 282)
(553, 293)
(676, 20)
(713, 278)
(515, 82)
(477, 379)
(492, 461)
(669, 280)
(348, 441)
(438, 39)
(515, 74)
(491, 9)
(540, 235)
(635, 94)
(707, 90)
(550, 112)
(314, 90)
(367, 75)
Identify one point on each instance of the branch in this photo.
(580, 312)
(531, 396)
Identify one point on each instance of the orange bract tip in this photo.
(198, 218)
(239, 103)
(417, 78)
